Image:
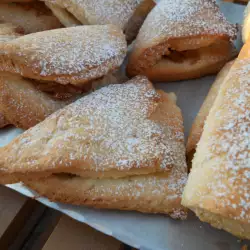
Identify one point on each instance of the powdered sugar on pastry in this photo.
(113, 128)
(194, 17)
(71, 55)
(116, 12)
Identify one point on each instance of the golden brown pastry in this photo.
(182, 39)
(9, 31)
(119, 147)
(154, 193)
(218, 188)
(198, 124)
(65, 17)
(116, 131)
(76, 55)
(22, 104)
(32, 17)
(126, 14)
(246, 24)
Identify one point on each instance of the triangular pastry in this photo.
(182, 39)
(119, 147)
(3, 121)
(198, 124)
(153, 193)
(76, 55)
(117, 131)
(24, 103)
(218, 187)
(32, 17)
(9, 31)
(126, 14)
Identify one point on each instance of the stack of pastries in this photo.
(121, 146)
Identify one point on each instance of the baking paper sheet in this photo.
(155, 232)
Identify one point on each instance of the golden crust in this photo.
(88, 139)
(198, 124)
(218, 186)
(65, 17)
(65, 55)
(149, 194)
(22, 104)
(128, 15)
(32, 17)
(246, 24)
(171, 40)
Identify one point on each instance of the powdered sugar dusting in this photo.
(185, 18)
(108, 129)
(71, 54)
(116, 12)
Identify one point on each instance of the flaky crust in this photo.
(218, 187)
(73, 55)
(128, 15)
(22, 104)
(32, 17)
(149, 194)
(88, 138)
(198, 124)
(9, 31)
(65, 17)
(246, 24)
(170, 28)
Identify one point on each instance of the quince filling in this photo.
(217, 50)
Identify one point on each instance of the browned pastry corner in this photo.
(22, 104)
(9, 32)
(182, 39)
(218, 187)
(32, 17)
(117, 131)
(246, 24)
(128, 15)
(76, 55)
(198, 124)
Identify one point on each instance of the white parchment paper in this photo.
(155, 232)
